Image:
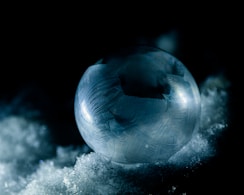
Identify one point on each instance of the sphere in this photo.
(137, 105)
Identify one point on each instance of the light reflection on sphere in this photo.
(138, 105)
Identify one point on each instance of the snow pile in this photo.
(30, 164)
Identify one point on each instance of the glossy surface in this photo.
(139, 105)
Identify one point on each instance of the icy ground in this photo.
(30, 164)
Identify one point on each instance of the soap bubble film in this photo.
(141, 105)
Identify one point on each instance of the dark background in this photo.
(45, 52)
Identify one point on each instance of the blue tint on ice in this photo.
(140, 105)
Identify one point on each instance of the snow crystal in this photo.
(31, 164)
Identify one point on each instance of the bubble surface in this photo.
(137, 105)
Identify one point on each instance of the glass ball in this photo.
(137, 105)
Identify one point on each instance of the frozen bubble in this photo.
(139, 105)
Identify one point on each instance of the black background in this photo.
(46, 50)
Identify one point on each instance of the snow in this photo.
(31, 164)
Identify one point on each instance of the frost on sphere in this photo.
(138, 105)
